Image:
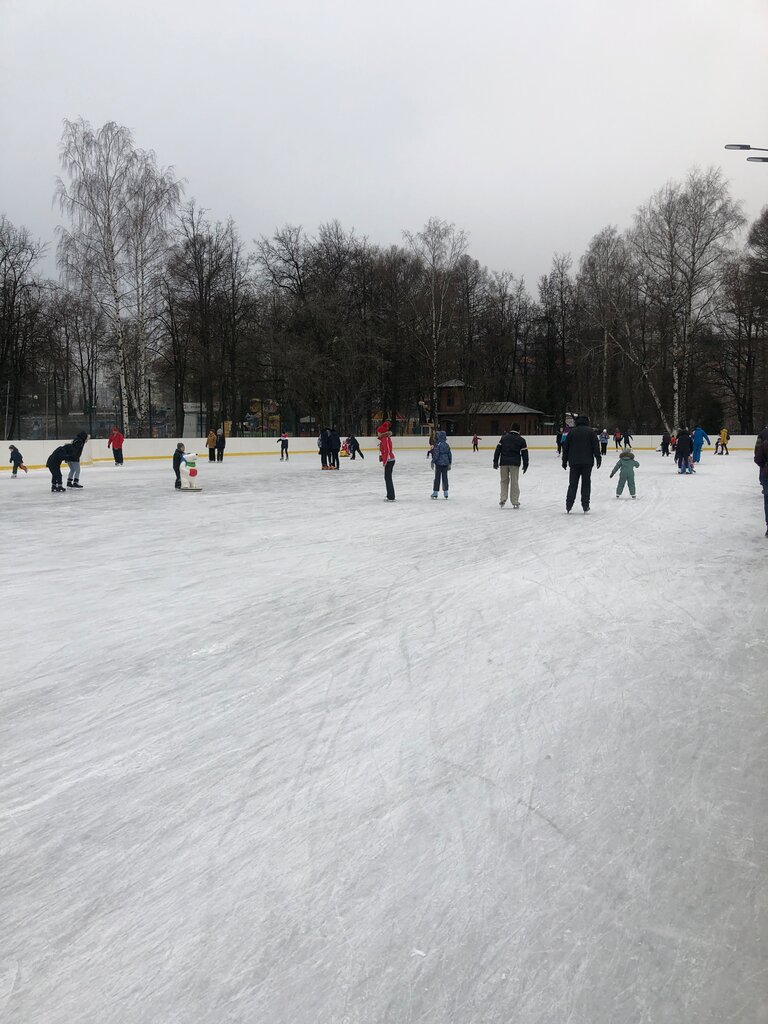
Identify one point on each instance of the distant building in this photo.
(458, 415)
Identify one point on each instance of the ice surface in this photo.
(284, 752)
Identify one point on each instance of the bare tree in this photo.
(439, 247)
(682, 238)
(118, 203)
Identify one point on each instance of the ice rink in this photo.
(284, 753)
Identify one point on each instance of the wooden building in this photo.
(459, 415)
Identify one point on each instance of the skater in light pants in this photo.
(510, 485)
(511, 452)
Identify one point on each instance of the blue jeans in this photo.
(697, 453)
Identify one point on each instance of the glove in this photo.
(433, 465)
(525, 470)
(599, 462)
(565, 465)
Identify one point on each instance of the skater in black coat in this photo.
(55, 459)
(16, 459)
(665, 439)
(334, 447)
(353, 447)
(76, 450)
(581, 451)
(683, 451)
(178, 458)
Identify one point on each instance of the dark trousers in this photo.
(356, 451)
(177, 485)
(323, 457)
(334, 459)
(765, 498)
(118, 454)
(211, 454)
(665, 447)
(283, 452)
(603, 447)
(388, 470)
(583, 475)
(219, 454)
(441, 473)
(55, 468)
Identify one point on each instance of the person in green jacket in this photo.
(626, 467)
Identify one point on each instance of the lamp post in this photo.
(754, 149)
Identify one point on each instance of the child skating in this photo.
(16, 460)
(283, 442)
(626, 467)
(178, 458)
(442, 458)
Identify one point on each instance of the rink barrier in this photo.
(145, 449)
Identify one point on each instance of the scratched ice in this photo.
(283, 752)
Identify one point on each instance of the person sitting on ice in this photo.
(178, 458)
(16, 460)
(626, 467)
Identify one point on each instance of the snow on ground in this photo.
(284, 752)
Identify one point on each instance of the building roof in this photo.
(452, 384)
(502, 409)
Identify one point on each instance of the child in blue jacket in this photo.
(442, 457)
(626, 467)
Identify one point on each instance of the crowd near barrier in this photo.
(143, 449)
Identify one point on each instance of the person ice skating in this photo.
(673, 443)
(581, 452)
(54, 462)
(559, 440)
(442, 459)
(626, 439)
(16, 460)
(178, 458)
(211, 444)
(722, 441)
(617, 437)
(115, 442)
(283, 442)
(323, 446)
(626, 467)
(334, 446)
(387, 457)
(353, 447)
(698, 438)
(665, 442)
(511, 451)
(75, 448)
(761, 459)
(476, 443)
(221, 444)
(603, 439)
(683, 450)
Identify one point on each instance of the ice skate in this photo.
(515, 504)
(69, 483)
(585, 511)
(445, 495)
(502, 504)
(434, 495)
(76, 483)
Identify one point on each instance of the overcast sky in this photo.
(531, 125)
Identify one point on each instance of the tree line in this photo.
(655, 325)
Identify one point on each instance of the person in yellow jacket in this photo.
(722, 442)
(211, 442)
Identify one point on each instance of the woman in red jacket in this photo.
(387, 457)
(115, 442)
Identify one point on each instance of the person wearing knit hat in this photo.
(387, 457)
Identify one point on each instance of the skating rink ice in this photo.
(283, 753)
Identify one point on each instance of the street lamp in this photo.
(754, 149)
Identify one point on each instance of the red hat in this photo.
(384, 427)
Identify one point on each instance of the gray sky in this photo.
(529, 124)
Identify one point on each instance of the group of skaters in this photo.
(330, 447)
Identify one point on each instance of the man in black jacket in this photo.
(334, 446)
(581, 451)
(683, 451)
(510, 452)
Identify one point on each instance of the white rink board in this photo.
(286, 753)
